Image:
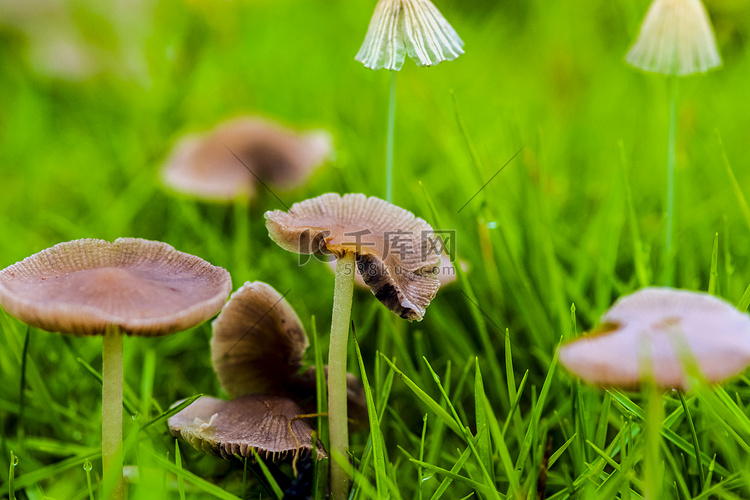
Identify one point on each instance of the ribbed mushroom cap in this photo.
(414, 27)
(85, 286)
(676, 38)
(258, 342)
(229, 428)
(393, 248)
(646, 332)
(206, 167)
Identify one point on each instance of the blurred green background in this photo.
(94, 94)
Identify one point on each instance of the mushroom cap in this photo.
(258, 342)
(86, 286)
(229, 428)
(415, 27)
(205, 166)
(648, 331)
(676, 38)
(395, 250)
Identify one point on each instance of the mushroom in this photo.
(414, 27)
(257, 349)
(394, 252)
(662, 332)
(258, 346)
(676, 38)
(130, 286)
(226, 162)
(269, 425)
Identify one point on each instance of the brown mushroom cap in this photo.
(446, 273)
(644, 332)
(258, 342)
(85, 286)
(205, 165)
(393, 248)
(229, 428)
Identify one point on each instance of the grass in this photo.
(467, 400)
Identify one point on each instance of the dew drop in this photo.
(492, 225)
(87, 465)
(15, 460)
(136, 416)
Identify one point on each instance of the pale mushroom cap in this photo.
(205, 166)
(676, 38)
(394, 249)
(415, 27)
(86, 286)
(646, 332)
(229, 428)
(258, 342)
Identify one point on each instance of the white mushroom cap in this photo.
(86, 286)
(676, 38)
(205, 166)
(258, 342)
(415, 27)
(229, 428)
(393, 248)
(647, 331)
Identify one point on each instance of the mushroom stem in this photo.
(112, 411)
(669, 260)
(337, 356)
(389, 141)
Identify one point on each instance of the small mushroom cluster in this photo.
(257, 350)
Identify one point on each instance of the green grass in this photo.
(468, 399)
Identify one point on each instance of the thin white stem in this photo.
(337, 356)
(112, 411)
(669, 261)
(389, 140)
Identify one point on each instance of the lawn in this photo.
(471, 400)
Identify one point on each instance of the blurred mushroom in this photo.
(394, 252)
(94, 287)
(676, 38)
(656, 331)
(205, 165)
(266, 424)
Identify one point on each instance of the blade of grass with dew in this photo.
(87, 467)
(52, 470)
(172, 411)
(433, 406)
(480, 403)
(375, 434)
(12, 476)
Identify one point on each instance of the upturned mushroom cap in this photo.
(258, 342)
(229, 428)
(647, 331)
(446, 272)
(86, 286)
(205, 166)
(676, 38)
(414, 27)
(394, 249)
